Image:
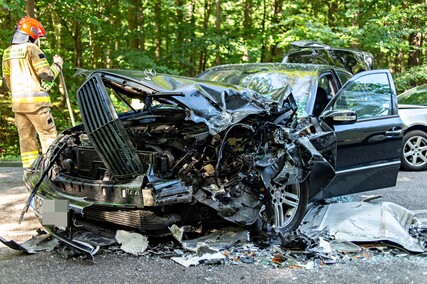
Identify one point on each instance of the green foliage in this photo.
(185, 37)
(413, 77)
(9, 145)
(139, 61)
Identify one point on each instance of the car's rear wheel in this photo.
(288, 205)
(414, 151)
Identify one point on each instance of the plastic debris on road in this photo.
(329, 234)
(132, 243)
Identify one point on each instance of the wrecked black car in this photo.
(158, 150)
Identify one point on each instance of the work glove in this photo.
(58, 60)
(46, 85)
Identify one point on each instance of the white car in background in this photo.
(413, 112)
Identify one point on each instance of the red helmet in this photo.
(31, 27)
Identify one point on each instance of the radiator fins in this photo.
(138, 219)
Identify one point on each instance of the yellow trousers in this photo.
(29, 125)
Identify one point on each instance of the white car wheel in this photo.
(414, 151)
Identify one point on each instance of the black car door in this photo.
(368, 152)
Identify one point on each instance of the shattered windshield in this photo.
(267, 81)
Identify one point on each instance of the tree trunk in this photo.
(166, 50)
(132, 13)
(398, 62)
(332, 11)
(206, 15)
(264, 36)
(415, 41)
(277, 16)
(158, 23)
(30, 7)
(78, 50)
(57, 30)
(218, 31)
(192, 58)
(247, 19)
(179, 22)
(415, 38)
(355, 22)
(141, 19)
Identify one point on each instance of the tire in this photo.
(413, 156)
(288, 206)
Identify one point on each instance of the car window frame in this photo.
(355, 78)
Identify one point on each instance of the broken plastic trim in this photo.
(13, 245)
(87, 249)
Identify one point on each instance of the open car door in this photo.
(368, 153)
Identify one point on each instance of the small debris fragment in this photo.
(133, 243)
(194, 260)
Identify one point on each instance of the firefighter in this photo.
(27, 74)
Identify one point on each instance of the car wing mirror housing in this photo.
(339, 116)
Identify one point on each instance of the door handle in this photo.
(394, 132)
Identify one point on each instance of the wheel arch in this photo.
(416, 127)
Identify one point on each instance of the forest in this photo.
(185, 37)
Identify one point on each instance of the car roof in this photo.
(308, 44)
(276, 65)
(353, 60)
(315, 68)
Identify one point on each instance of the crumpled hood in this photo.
(217, 105)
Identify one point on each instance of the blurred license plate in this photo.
(52, 212)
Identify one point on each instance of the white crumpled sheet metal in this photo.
(364, 222)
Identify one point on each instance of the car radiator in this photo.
(136, 219)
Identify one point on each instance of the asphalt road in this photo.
(50, 267)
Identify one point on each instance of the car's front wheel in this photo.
(288, 204)
(414, 151)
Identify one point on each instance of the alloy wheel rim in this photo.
(285, 201)
(415, 151)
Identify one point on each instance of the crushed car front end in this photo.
(197, 154)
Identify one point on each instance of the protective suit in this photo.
(24, 68)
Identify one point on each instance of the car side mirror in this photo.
(339, 116)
